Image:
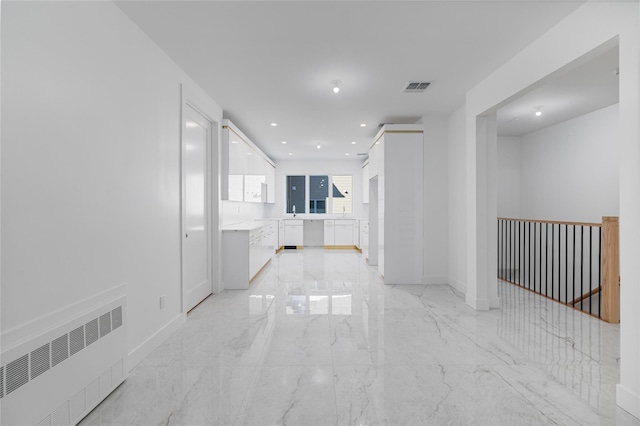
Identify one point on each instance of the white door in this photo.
(195, 248)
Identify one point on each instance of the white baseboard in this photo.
(458, 285)
(628, 400)
(146, 347)
(434, 279)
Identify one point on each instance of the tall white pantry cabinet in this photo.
(396, 203)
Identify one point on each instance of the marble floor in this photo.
(319, 340)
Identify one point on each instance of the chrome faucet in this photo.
(294, 210)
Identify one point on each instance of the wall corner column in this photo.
(482, 293)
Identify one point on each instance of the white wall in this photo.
(90, 166)
(238, 211)
(456, 173)
(286, 168)
(570, 170)
(436, 204)
(509, 171)
(591, 29)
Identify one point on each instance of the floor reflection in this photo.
(577, 350)
(319, 339)
(318, 298)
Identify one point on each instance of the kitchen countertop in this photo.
(251, 225)
(318, 218)
(243, 226)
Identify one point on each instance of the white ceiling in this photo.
(563, 96)
(267, 61)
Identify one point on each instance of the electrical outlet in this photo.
(162, 302)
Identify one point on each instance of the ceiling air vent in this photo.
(416, 86)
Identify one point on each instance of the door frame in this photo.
(194, 99)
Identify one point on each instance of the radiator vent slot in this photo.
(105, 324)
(91, 331)
(40, 361)
(59, 350)
(76, 340)
(116, 317)
(17, 373)
(1, 382)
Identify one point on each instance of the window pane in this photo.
(318, 194)
(295, 194)
(342, 196)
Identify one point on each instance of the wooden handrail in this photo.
(555, 222)
(584, 296)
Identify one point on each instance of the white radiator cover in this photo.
(60, 375)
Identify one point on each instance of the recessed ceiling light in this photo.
(353, 142)
(336, 86)
(363, 125)
(538, 113)
(284, 142)
(318, 146)
(274, 124)
(291, 153)
(346, 153)
(538, 110)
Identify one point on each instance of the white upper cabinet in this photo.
(255, 177)
(247, 173)
(271, 183)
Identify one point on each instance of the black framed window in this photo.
(318, 194)
(296, 188)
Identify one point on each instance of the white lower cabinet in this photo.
(339, 232)
(293, 232)
(329, 233)
(245, 251)
(343, 232)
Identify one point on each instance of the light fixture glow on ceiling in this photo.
(336, 86)
(291, 153)
(538, 110)
(363, 125)
(274, 124)
(353, 142)
(538, 113)
(346, 153)
(284, 142)
(318, 147)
